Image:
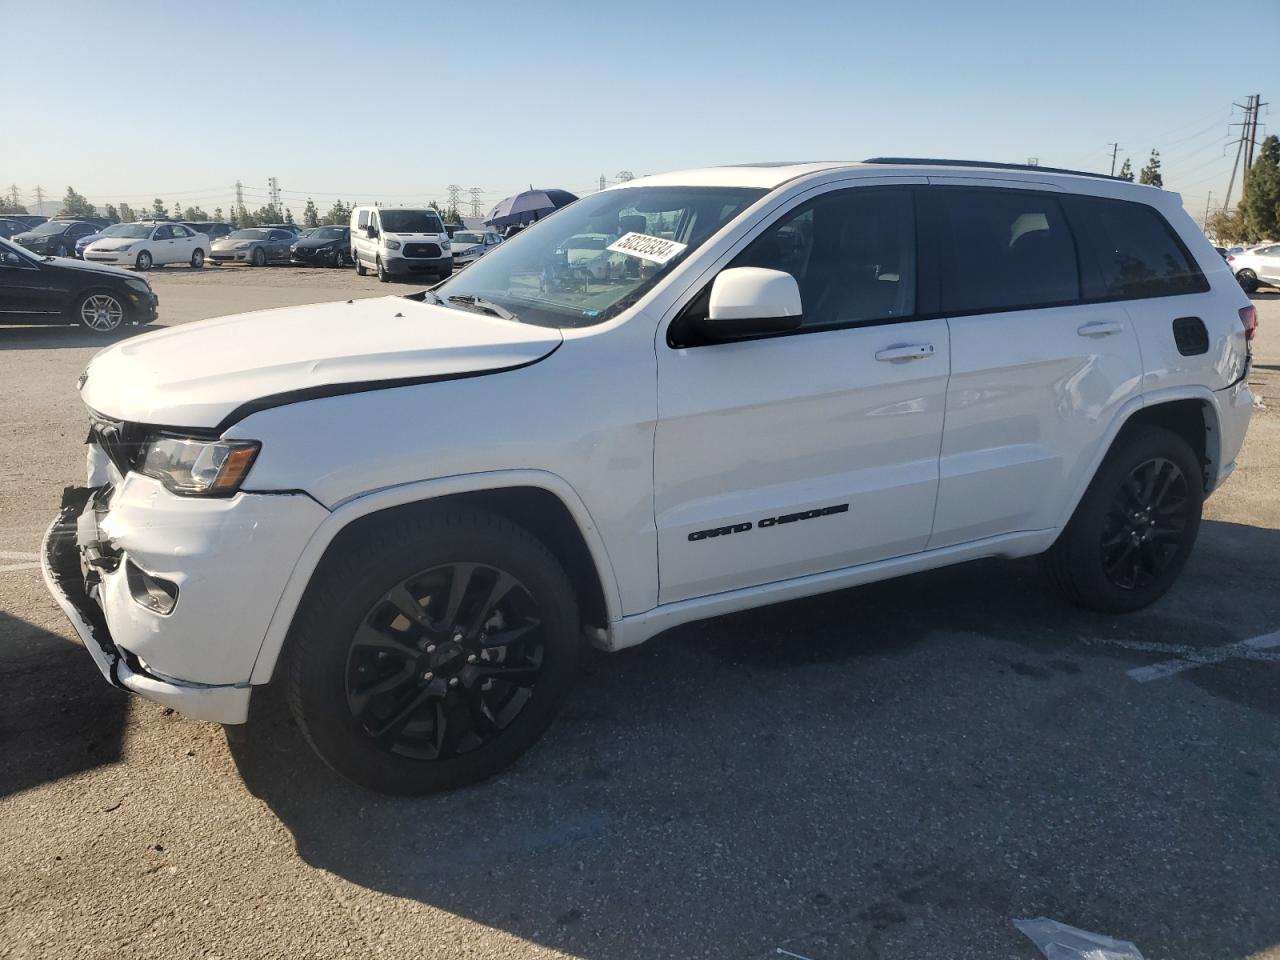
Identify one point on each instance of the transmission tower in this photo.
(273, 191)
(602, 181)
(14, 197)
(624, 175)
(455, 194)
(475, 201)
(40, 199)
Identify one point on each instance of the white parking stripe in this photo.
(10, 567)
(1265, 647)
(15, 555)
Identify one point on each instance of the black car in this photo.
(10, 227)
(29, 220)
(102, 299)
(326, 246)
(57, 238)
(213, 229)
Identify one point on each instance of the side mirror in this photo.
(751, 301)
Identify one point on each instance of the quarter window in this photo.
(1002, 250)
(1134, 252)
(852, 253)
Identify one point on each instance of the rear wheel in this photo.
(197, 258)
(1134, 529)
(433, 653)
(1248, 281)
(361, 269)
(101, 312)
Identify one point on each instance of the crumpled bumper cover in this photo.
(67, 540)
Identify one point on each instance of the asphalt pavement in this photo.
(894, 771)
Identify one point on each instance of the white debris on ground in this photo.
(1057, 941)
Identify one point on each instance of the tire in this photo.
(197, 258)
(361, 269)
(1135, 513)
(259, 258)
(339, 258)
(1248, 281)
(60, 250)
(349, 625)
(383, 276)
(101, 312)
(144, 262)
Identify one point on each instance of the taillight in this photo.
(1249, 317)
(1230, 257)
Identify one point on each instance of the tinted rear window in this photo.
(1131, 251)
(1003, 249)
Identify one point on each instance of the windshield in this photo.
(561, 272)
(248, 235)
(463, 236)
(138, 231)
(410, 221)
(50, 227)
(117, 230)
(329, 233)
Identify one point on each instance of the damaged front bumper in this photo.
(72, 539)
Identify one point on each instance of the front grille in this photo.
(422, 250)
(121, 441)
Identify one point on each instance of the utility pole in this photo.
(1245, 144)
(1208, 202)
(602, 181)
(475, 201)
(239, 196)
(40, 199)
(1115, 152)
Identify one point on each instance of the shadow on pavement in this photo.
(58, 336)
(58, 717)
(894, 770)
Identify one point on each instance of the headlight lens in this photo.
(199, 468)
(444, 244)
(392, 244)
(137, 283)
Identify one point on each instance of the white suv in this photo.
(412, 512)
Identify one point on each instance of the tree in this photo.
(1150, 174)
(1126, 171)
(452, 215)
(217, 213)
(75, 205)
(1225, 226)
(1260, 208)
(267, 214)
(8, 206)
(194, 213)
(288, 215)
(158, 209)
(339, 213)
(112, 213)
(126, 213)
(310, 215)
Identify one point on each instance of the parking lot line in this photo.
(1255, 648)
(29, 561)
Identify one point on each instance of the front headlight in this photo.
(199, 468)
(123, 249)
(138, 284)
(392, 244)
(444, 244)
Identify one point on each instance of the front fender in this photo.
(419, 492)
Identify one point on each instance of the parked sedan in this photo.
(1256, 267)
(150, 244)
(83, 243)
(40, 289)
(29, 221)
(213, 229)
(257, 246)
(56, 238)
(470, 245)
(327, 246)
(10, 228)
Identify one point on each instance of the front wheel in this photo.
(197, 258)
(339, 258)
(61, 251)
(259, 258)
(382, 271)
(101, 312)
(144, 261)
(432, 653)
(1133, 530)
(1248, 281)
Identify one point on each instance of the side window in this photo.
(1131, 250)
(180, 231)
(1002, 249)
(852, 253)
(375, 221)
(363, 220)
(278, 235)
(81, 230)
(163, 233)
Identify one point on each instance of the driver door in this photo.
(795, 454)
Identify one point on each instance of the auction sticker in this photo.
(653, 249)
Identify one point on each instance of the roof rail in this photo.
(932, 162)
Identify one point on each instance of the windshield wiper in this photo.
(479, 303)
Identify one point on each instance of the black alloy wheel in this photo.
(1146, 524)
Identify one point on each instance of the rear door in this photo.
(793, 455)
(1037, 375)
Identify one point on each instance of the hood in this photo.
(465, 247)
(315, 243)
(68, 263)
(226, 243)
(26, 239)
(212, 373)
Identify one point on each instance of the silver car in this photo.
(256, 246)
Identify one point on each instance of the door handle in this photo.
(1101, 328)
(905, 351)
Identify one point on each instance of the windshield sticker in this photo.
(653, 249)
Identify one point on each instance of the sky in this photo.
(393, 102)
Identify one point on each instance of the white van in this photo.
(397, 241)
